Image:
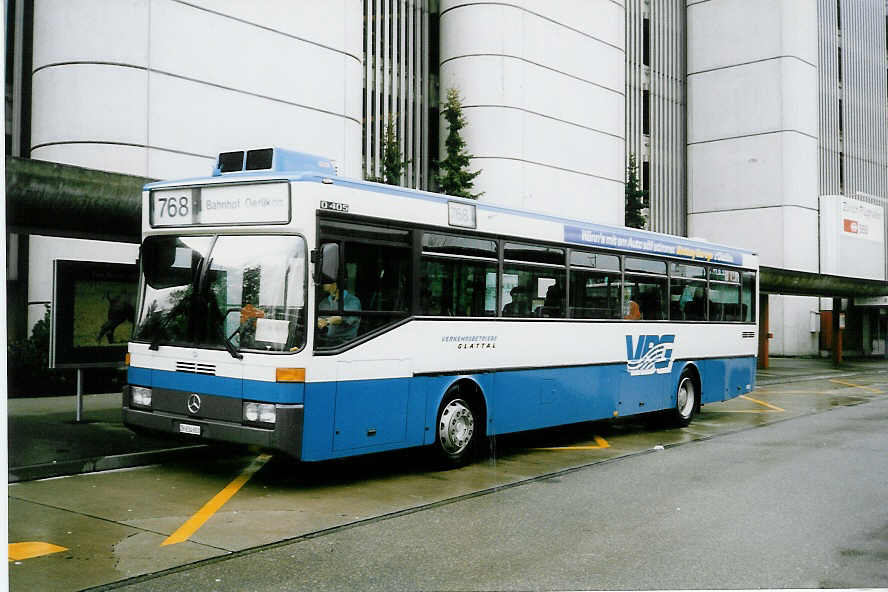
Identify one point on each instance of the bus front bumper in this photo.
(286, 435)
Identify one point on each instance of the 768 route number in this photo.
(173, 207)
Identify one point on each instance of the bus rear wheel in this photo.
(456, 433)
(686, 400)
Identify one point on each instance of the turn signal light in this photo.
(290, 375)
(126, 360)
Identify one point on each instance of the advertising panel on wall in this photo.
(93, 310)
(852, 238)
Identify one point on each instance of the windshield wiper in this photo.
(232, 349)
(159, 331)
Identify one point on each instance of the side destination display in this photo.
(215, 205)
(609, 238)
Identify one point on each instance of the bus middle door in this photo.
(371, 403)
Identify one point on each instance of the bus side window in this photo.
(595, 286)
(452, 287)
(383, 282)
(529, 289)
(533, 292)
(724, 302)
(451, 284)
(647, 288)
(650, 294)
(594, 294)
(374, 284)
(378, 276)
(724, 295)
(688, 300)
(747, 297)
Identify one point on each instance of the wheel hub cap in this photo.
(686, 398)
(457, 427)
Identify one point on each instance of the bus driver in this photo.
(339, 329)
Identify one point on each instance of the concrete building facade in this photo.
(656, 107)
(157, 88)
(753, 176)
(543, 88)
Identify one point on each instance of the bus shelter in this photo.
(789, 282)
(50, 199)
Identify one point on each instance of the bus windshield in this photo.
(234, 292)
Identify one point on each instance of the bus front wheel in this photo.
(686, 400)
(456, 432)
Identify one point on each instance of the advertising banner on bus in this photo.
(660, 245)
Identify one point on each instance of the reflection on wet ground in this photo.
(112, 524)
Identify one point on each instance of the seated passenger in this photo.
(634, 312)
(247, 328)
(695, 310)
(553, 306)
(335, 330)
(520, 304)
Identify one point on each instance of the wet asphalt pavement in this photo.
(796, 504)
(783, 488)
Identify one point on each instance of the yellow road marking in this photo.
(782, 392)
(194, 523)
(860, 386)
(768, 405)
(600, 443)
(30, 549)
(770, 408)
(831, 391)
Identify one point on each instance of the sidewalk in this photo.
(782, 370)
(44, 440)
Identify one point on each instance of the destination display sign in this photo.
(259, 203)
(661, 245)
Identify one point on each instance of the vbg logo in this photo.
(650, 354)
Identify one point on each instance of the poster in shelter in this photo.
(93, 312)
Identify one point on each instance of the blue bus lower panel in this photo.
(362, 416)
(358, 417)
(727, 378)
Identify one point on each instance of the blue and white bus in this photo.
(284, 306)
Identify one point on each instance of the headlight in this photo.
(263, 413)
(267, 414)
(140, 397)
(251, 412)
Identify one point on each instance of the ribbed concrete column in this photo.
(753, 140)
(543, 88)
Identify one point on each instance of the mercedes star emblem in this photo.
(193, 403)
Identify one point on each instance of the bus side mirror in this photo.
(327, 270)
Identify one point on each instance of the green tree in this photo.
(454, 177)
(28, 364)
(392, 165)
(636, 198)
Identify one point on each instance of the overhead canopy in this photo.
(802, 283)
(62, 200)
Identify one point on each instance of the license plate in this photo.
(187, 428)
